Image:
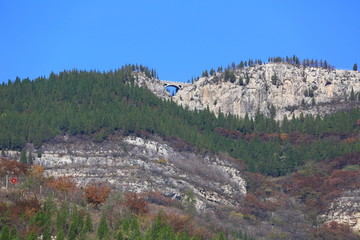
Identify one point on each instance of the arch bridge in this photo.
(176, 85)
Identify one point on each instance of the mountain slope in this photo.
(142, 165)
(110, 127)
(101, 104)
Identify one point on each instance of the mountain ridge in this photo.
(274, 89)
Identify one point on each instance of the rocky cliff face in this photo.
(153, 84)
(280, 88)
(346, 210)
(139, 165)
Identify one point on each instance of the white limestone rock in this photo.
(286, 94)
(140, 165)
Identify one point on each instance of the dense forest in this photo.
(101, 104)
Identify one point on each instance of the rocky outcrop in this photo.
(346, 210)
(153, 84)
(139, 165)
(274, 89)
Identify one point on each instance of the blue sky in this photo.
(178, 38)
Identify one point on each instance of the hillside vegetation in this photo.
(99, 104)
(42, 207)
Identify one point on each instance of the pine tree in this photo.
(241, 81)
(352, 95)
(75, 226)
(61, 216)
(60, 234)
(46, 233)
(189, 202)
(220, 236)
(325, 64)
(88, 226)
(303, 102)
(272, 111)
(31, 236)
(23, 157)
(156, 230)
(30, 160)
(313, 101)
(13, 234)
(119, 236)
(241, 64)
(103, 229)
(134, 229)
(5, 233)
(72, 232)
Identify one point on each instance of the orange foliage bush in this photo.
(349, 140)
(300, 138)
(283, 136)
(135, 203)
(37, 171)
(62, 184)
(96, 195)
(251, 202)
(12, 167)
(185, 223)
(180, 223)
(26, 207)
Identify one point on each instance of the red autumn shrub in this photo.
(254, 206)
(268, 136)
(233, 134)
(296, 138)
(96, 194)
(9, 167)
(62, 184)
(346, 159)
(180, 223)
(318, 191)
(135, 203)
(26, 207)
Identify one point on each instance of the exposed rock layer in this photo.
(289, 89)
(346, 210)
(139, 165)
